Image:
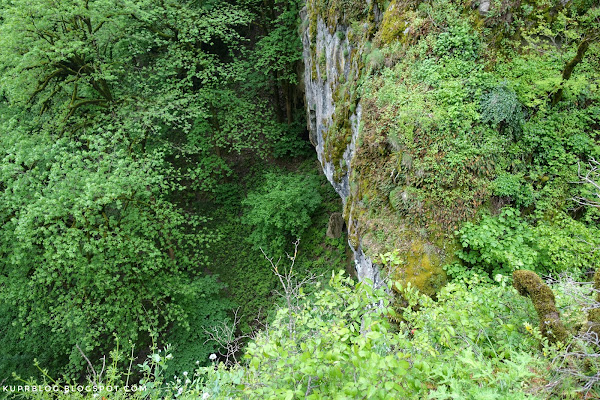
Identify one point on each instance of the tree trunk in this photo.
(583, 46)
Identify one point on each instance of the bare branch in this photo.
(590, 177)
(90, 366)
(291, 285)
(225, 335)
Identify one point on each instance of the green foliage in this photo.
(498, 245)
(280, 210)
(87, 230)
(458, 121)
(507, 242)
(459, 41)
(125, 124)
(567, 245)
(514, 187)
(281, 49)
(502, 108)
(328, 344)
(112, 380)
(114, 114)
(286, 141)
(190, 344)
(471, 342)
(335, 343)
(242, 267)
(374, 59)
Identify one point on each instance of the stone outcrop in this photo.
(335, 225)
(330, 60)
(334, 59)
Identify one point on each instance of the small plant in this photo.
(514, 187)
(502, 109)
(375, 59)
(507, 242)
(499, 245)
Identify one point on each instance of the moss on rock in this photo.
(393, 25)
(423, 268)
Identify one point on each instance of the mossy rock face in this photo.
(424, 161)
(336, 12)
(529, 284)
(423, 268)
(394, 25)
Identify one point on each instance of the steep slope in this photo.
(333, 114)
(427, 114)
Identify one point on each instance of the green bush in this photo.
(459, 41)
(515, 187)
(90, 247)
(507, 242)
(498, 244)
(334, 344)
(502, 108)
(281, 209)
(472, 342)
(190, 340)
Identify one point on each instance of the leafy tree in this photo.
(170, 73)
(97, 93)
(89, 244)
(281, 210)
(112, 113)
(279, 52)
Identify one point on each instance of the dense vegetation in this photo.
(154, 177)
(130, 134)
(462, 117)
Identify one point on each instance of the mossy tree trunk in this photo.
(581, 50)
(529, 284)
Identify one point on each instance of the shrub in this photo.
(507, 242)
(471, 343)
(515, 187)
(458, 41)
(502, 108)
(281, 209)
(498, 245)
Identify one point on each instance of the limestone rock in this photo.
(335, 225)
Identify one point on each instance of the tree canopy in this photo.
(111, 114)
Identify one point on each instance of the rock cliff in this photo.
(426, 114)
(330, 61)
